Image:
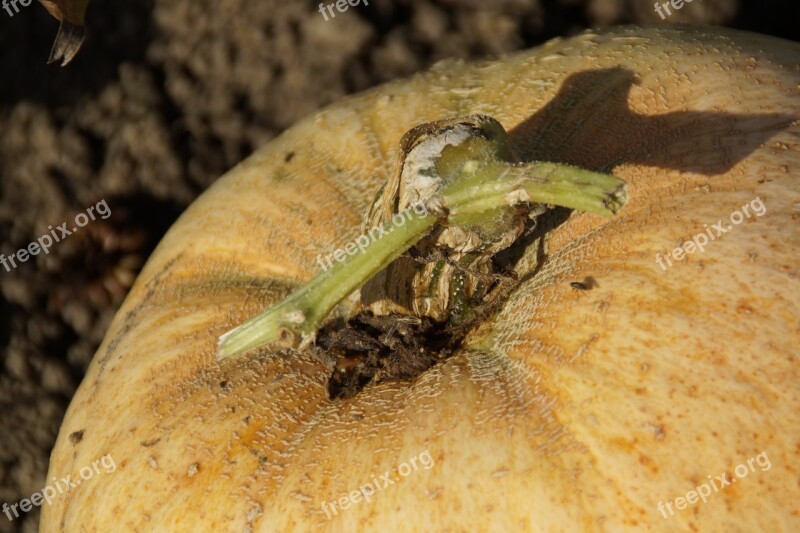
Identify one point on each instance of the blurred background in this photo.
(164, 97)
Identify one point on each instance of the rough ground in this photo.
(164, 97)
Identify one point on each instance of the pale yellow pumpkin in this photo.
(570, 410)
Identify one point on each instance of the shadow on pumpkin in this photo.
(590, 124)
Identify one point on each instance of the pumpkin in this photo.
(605, 386)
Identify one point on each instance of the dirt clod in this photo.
(372, 349)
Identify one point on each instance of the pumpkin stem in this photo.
(296, 319)
(475, 189)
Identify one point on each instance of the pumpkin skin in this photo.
(568, 410)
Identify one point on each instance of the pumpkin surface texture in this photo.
(624, 369)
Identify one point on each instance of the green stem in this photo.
(295, 320)
(544, 183)
(301, 313)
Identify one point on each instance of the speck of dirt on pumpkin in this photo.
(76, 436)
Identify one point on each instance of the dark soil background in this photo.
(164, 97)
